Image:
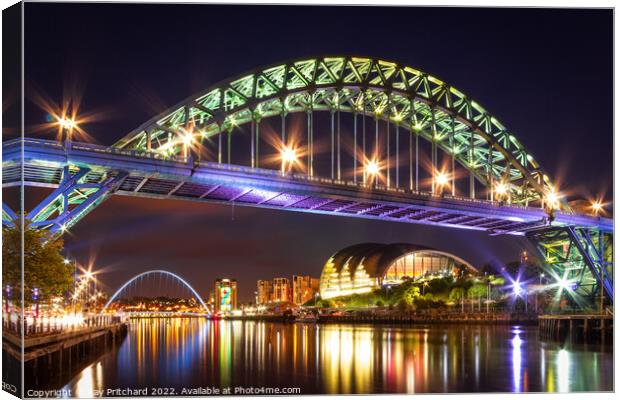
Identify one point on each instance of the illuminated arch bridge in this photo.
(157, 274)
(347, 136)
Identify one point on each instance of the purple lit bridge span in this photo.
(344, 136)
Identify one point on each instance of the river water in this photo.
(197, 356)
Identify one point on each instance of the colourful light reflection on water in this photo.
(191, 353)
(516, 361)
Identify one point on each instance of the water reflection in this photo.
(516, 360)
(191, 353)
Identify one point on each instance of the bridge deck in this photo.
(151, 175)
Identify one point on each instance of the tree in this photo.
(44, 267)
(411, 293)
(456, 294)
(477, 290)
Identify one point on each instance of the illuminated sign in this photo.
(225, 298)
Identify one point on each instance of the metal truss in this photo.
(8, 215)
(80, 190)
(578, 258)
(404, 96)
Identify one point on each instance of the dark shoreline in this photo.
(487, 319)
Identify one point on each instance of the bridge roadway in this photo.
(151, 175)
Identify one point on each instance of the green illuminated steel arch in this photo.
(403, 95)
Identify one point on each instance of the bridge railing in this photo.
(53, 325)
(151, 155)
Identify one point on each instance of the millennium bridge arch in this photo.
(411, 100)
(160, 272)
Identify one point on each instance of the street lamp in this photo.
(552, 198)
(441, 180)
(67, 124)
(596, 207)
(372, 169)
(289, 156)
(501, 188)
(565, 284)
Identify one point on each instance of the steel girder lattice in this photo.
(80, 190)
(406, 97)
(8, 216)
(579, 259)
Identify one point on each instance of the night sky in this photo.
(545, 74)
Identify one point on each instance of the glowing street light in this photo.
(517, 289)
(67, 123)
(66, 261)
(596, 207)
(441, 178)
(372, 168)
(501, 188)
(565, 284)
(187, 138)
(552, 199)
(288, 156)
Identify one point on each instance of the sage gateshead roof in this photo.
(364, 267)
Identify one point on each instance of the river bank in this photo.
(403, 318)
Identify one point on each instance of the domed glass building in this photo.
(364, 267)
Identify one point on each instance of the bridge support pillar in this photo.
(579, 262)
(78, 193)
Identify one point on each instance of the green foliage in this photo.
(477, 290)
(497, 280)
(424, 294)
(44, 266)
(326, 303)
(411, 294)
(456, 294)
